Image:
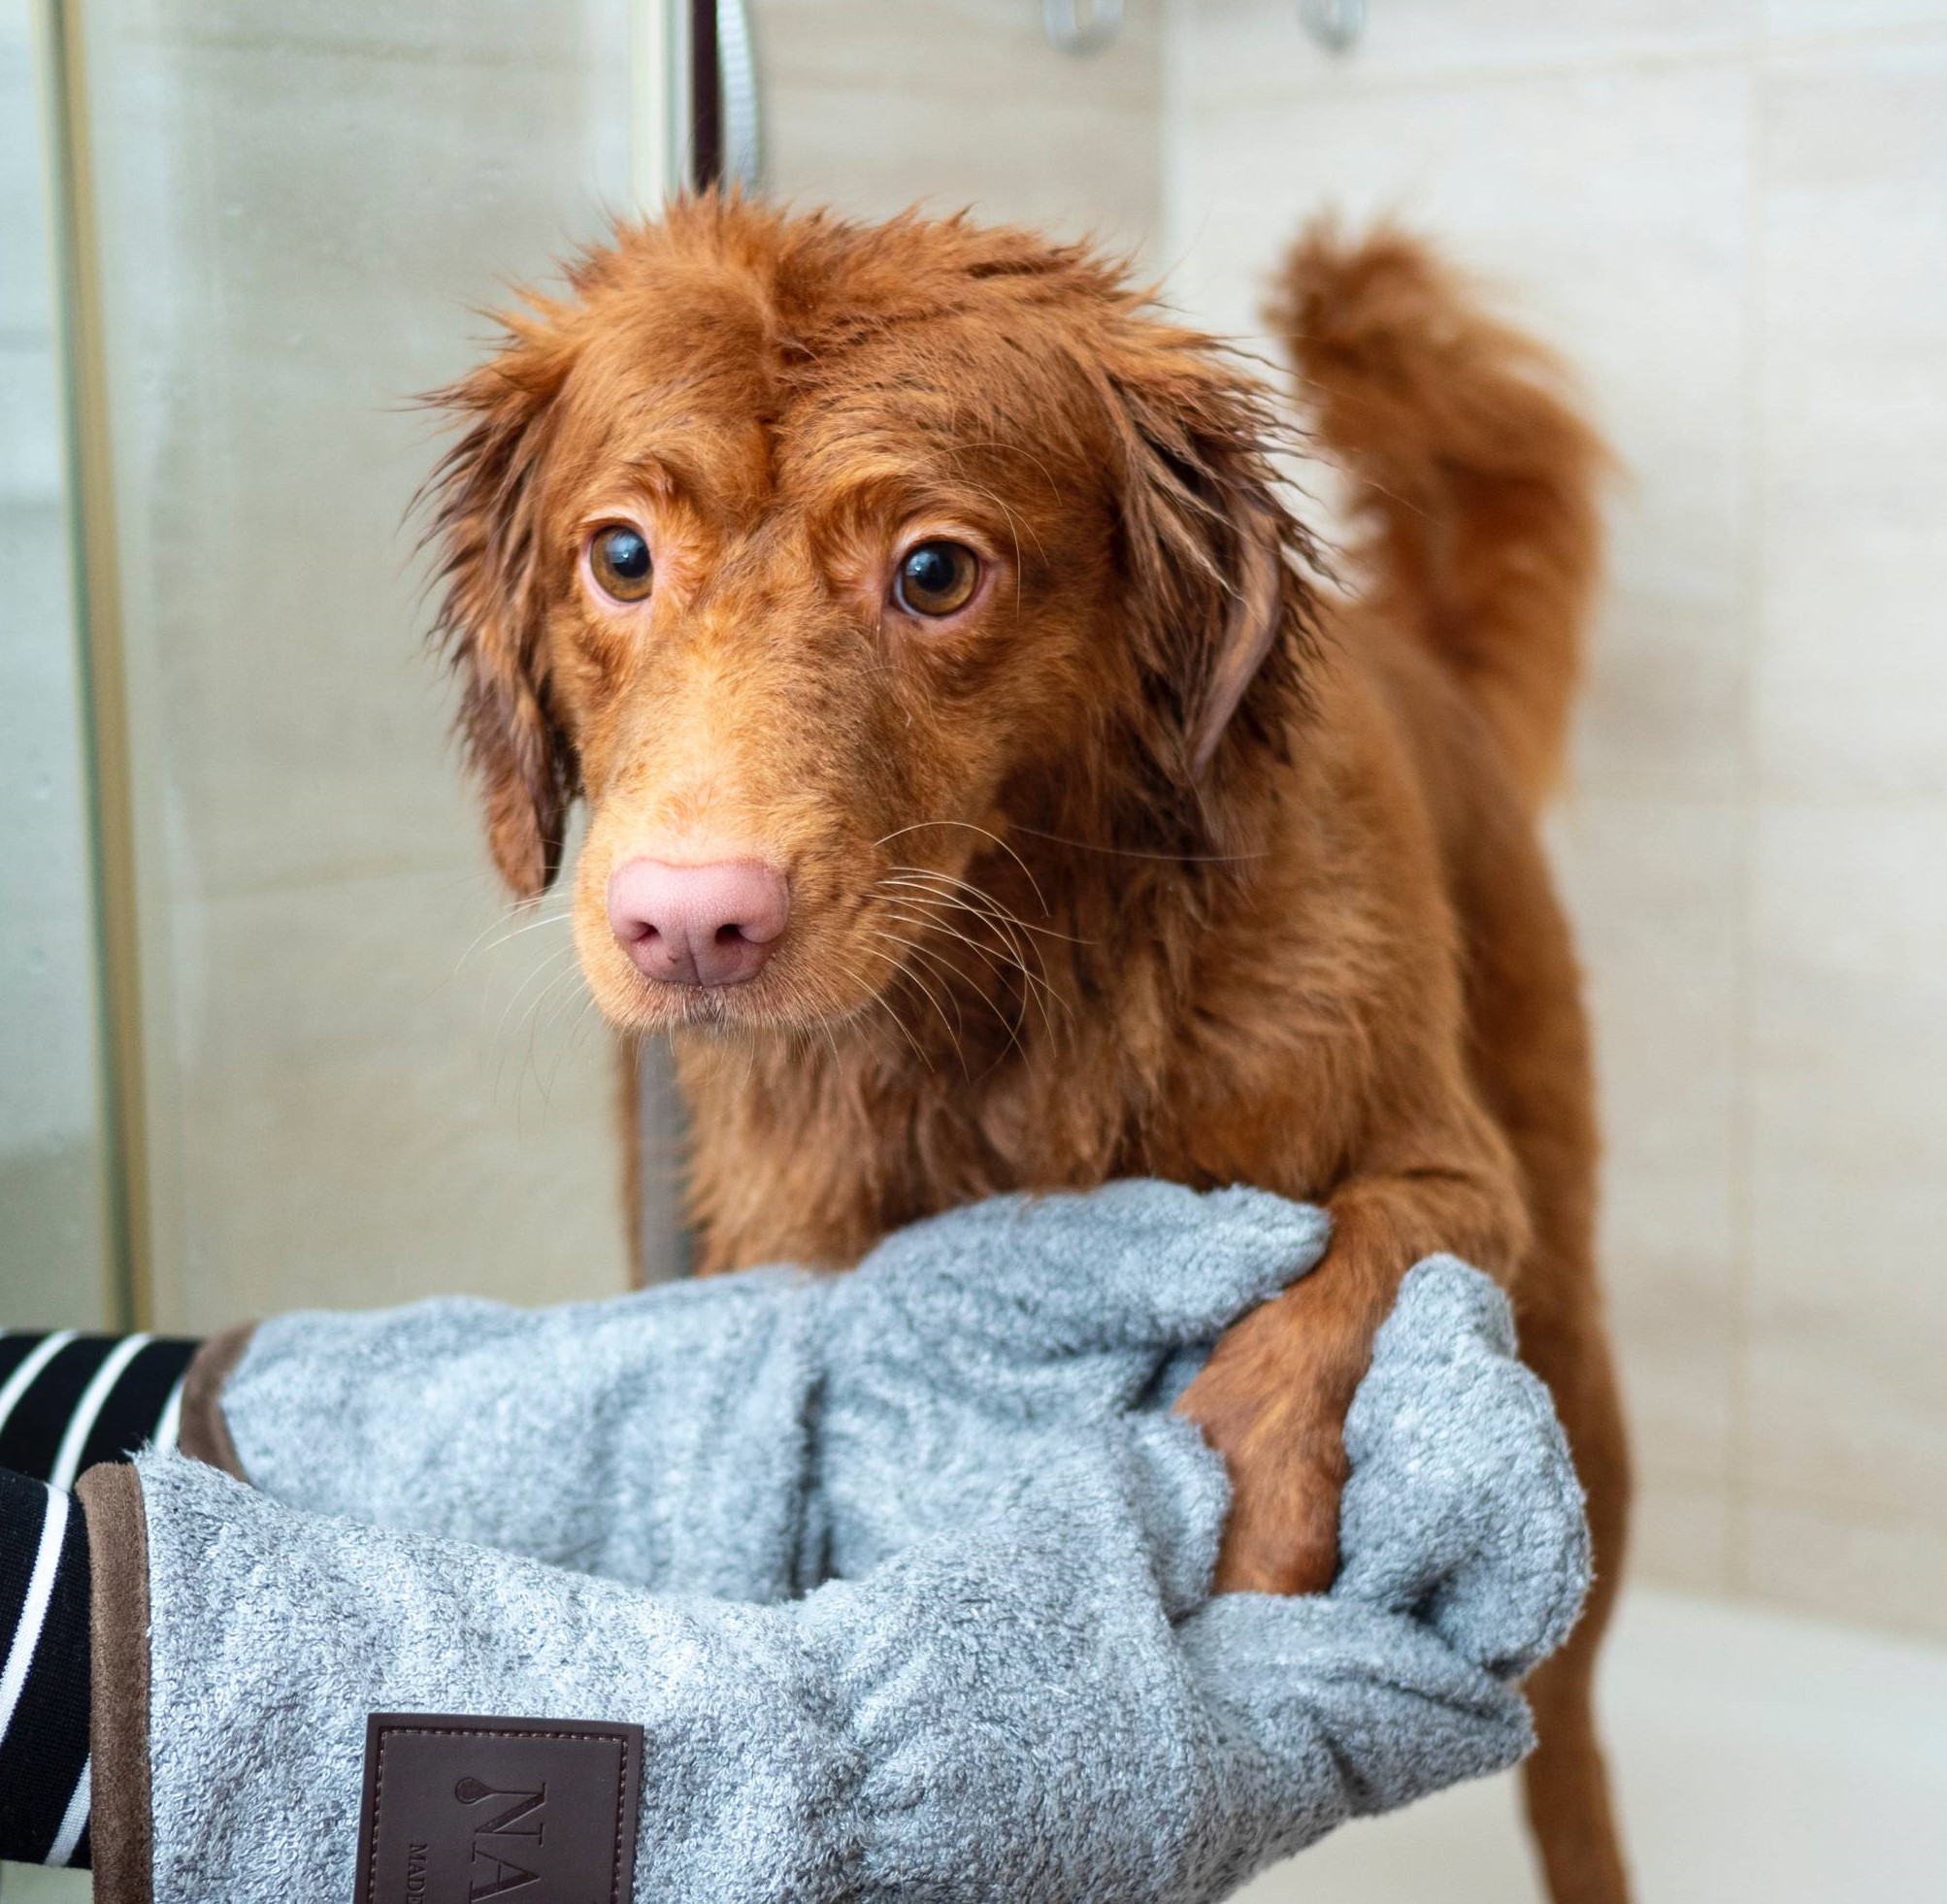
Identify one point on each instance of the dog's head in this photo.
(815, 557)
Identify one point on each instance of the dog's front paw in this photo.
(1285, 1453)
(1282, 1537)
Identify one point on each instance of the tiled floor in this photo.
(1758, 1757)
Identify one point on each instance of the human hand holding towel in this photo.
(1030, 1704)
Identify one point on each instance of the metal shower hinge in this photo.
(743, 105)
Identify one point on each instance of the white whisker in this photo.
(985, 833)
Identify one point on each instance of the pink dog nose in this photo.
(697, 925)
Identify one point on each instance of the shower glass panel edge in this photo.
(62, 1253)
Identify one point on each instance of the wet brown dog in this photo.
(986, 795)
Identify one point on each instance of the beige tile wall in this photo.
(876, 105)
(1731, 214)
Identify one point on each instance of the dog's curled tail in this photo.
(1469, 461)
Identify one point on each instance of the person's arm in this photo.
(560, 1432)
(68, 1399)
(44, 1682)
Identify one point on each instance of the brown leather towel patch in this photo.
(473, 1811)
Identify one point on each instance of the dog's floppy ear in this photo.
(1219, 610)
(486, 527)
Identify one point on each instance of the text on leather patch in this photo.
(460, 1809)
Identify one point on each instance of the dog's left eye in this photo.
(936, 579)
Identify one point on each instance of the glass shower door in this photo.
(363, 1077)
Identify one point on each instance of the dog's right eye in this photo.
(619, 559)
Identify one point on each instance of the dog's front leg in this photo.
(1273, 1397)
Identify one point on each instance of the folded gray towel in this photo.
(1001, 1706)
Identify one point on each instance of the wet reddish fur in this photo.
(1162, 861)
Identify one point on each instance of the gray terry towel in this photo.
(750, 1435)
(1030, 1703)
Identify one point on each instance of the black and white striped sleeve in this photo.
(68, 1400)
(46, 1680)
